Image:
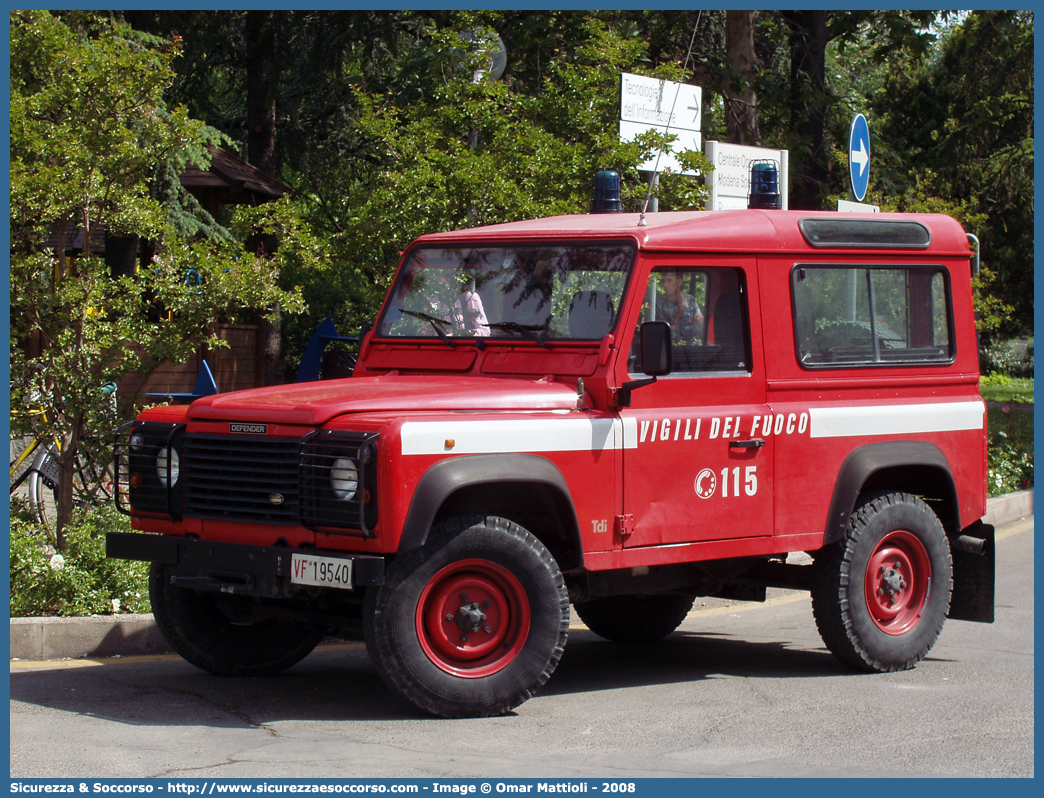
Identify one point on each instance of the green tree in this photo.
(89, 132)
(963, 123)
(384, 135)
(474, 151)
(810, 108)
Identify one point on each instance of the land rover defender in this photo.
(613, 412)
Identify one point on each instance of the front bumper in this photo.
(236, 568)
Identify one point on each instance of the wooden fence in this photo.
(237, 367)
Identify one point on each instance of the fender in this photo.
(926, 464)
(449, 476)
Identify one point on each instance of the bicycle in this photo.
(34, 462)
(24, 451)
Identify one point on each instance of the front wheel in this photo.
(473, 622)
(93, 484)
(42, 486)
(880, 595)
(224, 634)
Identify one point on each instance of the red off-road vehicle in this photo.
(592, 410)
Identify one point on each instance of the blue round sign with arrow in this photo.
(859, 156)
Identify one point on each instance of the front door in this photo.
(700, 470)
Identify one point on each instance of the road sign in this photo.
(730, 181)
(859, 156)
(661, 106)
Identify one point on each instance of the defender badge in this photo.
(249, 429)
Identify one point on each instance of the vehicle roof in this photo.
(720, 231)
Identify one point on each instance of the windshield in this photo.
(529, 292)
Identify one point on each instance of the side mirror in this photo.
(655, 341)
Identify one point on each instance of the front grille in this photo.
(240, 478)
(250, 478)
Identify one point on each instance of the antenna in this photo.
(667, 129)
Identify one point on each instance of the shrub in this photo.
(995, 380)
(1010, 458)
(1011, 358)
(79, 581)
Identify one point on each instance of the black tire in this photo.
(472, 623)
(42, 487)
(873, 615)
(635, 618)
(218, 633)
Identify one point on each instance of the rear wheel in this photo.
(472, 623)
(225, 634)
(635, 618)
(880, 595)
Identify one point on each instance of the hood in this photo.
(316, 403)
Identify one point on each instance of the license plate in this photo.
(311, 569)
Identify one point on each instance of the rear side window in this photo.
(853, 316)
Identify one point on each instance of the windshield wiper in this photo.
(530, 331)
(434, 321)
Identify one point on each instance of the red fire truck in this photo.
(613, 412)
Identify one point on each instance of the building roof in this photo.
(235, 180)
(229, 181)
(74, 240)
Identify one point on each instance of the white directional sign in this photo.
(662, 106)
(730, 181)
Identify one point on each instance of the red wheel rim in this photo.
(473, 618)
(898, 580)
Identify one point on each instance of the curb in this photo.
(95, 636)
(1010, 507)
(37, 639)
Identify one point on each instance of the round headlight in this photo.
(167, 458)
(137, 440)
(344, 478)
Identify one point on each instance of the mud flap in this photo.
(974, 575)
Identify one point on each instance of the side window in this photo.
(845, 316)
(706, 309)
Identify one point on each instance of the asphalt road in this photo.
(742, 690)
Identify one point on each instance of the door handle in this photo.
(754, 443)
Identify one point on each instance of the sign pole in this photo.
(654, 183)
